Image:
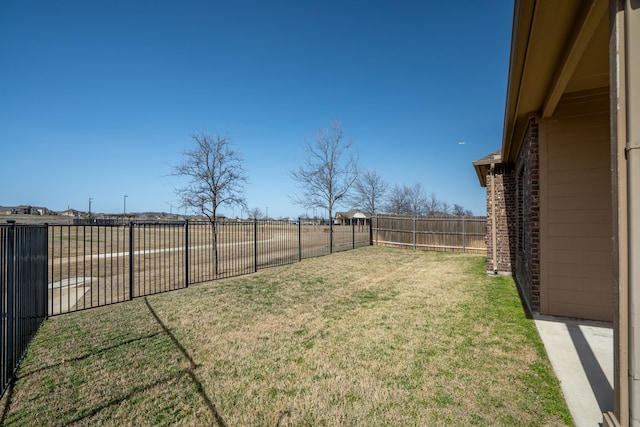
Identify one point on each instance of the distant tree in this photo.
(328, 171)
(417, 199)
(445, 208)
(412, 201)
(432, 204)
(397, 201)
(369, 192)
(255, 213)
(216, 178)
(459, 210)
(408, 201)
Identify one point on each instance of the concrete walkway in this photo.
(581, 354)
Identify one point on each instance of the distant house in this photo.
(563, 192)
(352, 217)
(29, 210)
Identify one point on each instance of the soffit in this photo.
(557, 47)
(593, 69)
(484, 164)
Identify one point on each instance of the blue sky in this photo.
(99, 98)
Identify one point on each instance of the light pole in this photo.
(125, 206)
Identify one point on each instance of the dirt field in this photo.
(91, 266)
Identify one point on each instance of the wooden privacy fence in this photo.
(446, 234)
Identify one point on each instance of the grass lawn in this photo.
(369, 337)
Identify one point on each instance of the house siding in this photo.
(577, 261)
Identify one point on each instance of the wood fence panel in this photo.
(445, 234)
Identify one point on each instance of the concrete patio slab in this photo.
(581, 354)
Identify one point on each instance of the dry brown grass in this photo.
(367, 337)
(99, 256)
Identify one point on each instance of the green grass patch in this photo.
(373, 336)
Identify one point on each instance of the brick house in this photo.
(498, 179)
(563, 192)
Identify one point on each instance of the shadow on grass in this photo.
(8, 398)
(141, 388)
(88, 355)
(118, 400)
(192, 367)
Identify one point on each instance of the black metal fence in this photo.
(96, 265)
(445, 234)
(55, 269)
(23, 284)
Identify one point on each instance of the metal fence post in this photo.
(299, 239)
(255, 245)
(186, 253)
(353, 235)
(11, 276)
(330, 235)
(46, 273)
(131, 263)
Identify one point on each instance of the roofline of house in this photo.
(551, 54)
(483, 165)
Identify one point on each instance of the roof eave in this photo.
(483, 165)
(548, 40)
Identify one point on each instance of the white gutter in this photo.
(632, 65)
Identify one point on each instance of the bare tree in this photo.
(417, 199)
(397, 201)
(445, 208)
(459, 210)
(216, 178)
(369, 191)
(409, 201)
(328, 171)
(412, 201)
(255, 213)
(432, 204)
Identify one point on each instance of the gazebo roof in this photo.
(353, 213)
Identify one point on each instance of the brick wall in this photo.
(506, 221)
(527, 235)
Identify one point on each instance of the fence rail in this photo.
(450, 234)
(23, 282)
(97, 265)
